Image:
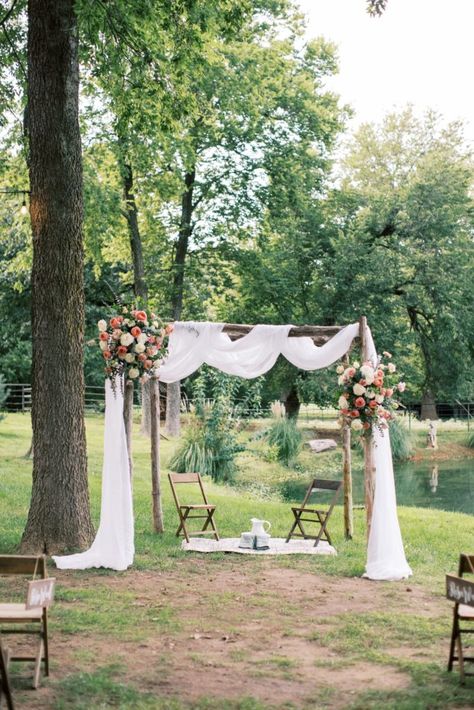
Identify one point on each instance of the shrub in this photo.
(286, 439)
(400, 440)
(470, 440)
(209, 445)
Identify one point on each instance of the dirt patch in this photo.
(243, 628)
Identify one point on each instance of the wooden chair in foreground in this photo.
(320, 515)
(31, 617)
(5, 689)
(461, 591)
(204, 510)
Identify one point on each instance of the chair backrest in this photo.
(176, 479)
(322, 484)
(34, 565)
(466, 564)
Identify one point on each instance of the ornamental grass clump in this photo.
(400, 440)
(284, 436)
(366, 395)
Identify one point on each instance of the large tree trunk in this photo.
(59, 515)
(428, 406)
(173, 398)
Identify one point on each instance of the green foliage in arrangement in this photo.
(285, 437)
(400, 440)
(209, 446)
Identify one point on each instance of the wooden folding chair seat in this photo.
(461, 590)
(185, 511)
(30, 617)
(320, 515)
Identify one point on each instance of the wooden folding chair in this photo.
(318, 515)
(461, 591)
(32, 616)
(5, 689)
(204, 510)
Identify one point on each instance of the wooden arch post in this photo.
(158, 524)
(369, 468)
(128, 421)
(347, 474)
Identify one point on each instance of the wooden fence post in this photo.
(128, 420)
(369, 469)
(155, 455)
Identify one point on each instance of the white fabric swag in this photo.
(191, 345)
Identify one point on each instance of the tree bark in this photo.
(292, 402)
(131, 214)
(59, 516)
(173, 398)
(428, 406)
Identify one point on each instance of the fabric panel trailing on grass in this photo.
(113, 546)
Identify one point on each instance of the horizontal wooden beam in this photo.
(320, 334)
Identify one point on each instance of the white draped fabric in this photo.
(113, 546)
(191, 345)
(385, 554)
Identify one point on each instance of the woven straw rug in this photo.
(278, 546)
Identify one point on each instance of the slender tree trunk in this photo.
(59, 516)
(173, 398)
(131, 215)
(292, 402)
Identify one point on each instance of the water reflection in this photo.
(447, 485)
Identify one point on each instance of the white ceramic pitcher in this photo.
(258, 527)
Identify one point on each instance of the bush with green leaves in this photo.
(209, 445)
(400, 440)
(470, 440)
(284, 436)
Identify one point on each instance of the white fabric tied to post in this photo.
(192, 344)
(113, 546)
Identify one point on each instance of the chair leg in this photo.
(213, 525)
(460, 658)
(454, 635)
(323, 530)
(5, 688)
(39, 657)
(46, 644)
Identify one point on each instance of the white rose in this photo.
(391, 367)
(342, 403)
(102, 325)
(142, 338)
(129, 357)
(133, 373)
(357, 425)
(155, 324)
(129, 322)
(139, 348)
(356, 364)
(379, 398)
(370, 394)
(126, 339)
(103, 345)
(382, 366)
(340, 369)
(340, 380)
(358, 389)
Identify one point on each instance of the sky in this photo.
(419, 52)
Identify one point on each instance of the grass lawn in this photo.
(180, 630)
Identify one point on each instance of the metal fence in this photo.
(19, 400)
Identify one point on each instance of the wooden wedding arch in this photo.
(320, 334)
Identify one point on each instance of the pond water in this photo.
(446, 485)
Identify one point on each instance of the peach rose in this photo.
(115, 322)
(366, 425)
(378, 382)
(141, 357)
(122, 351)
(355, 413)
(360, 402)
(135, 331)
(103, 336)
(107, 354)
(117, 334)
(373, 404)
(389, 392)
(140, 315)
(169, 328)
(148, 364)
(345, 412)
